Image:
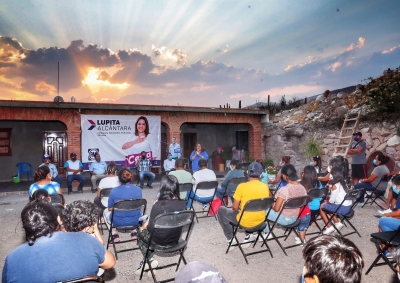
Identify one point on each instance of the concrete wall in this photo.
(27, 145)
(214, 135)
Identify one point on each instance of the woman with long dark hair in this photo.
(42, 178)
(72, 255)
(198, 153)
(168, 201)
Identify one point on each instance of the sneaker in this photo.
(234, 242)
(141, 187)
(339, 225)
(360, 203)
(388, 254)
(248, 240)
(264, 236)
(153, 263)
(150, 187)
(298, 241)
(328, 231)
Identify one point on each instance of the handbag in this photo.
(215, 205)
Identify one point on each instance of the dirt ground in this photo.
(208, 244)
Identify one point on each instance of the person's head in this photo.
(285, 160)
(234, 149)
(309, 178)
(97, 157)
(254, 170)
(39, 219)
(46, 158)
(142, 126)
(112, 168)
(80, 215)
(202, 163)
(337, 176)
(173, 140)
(169, 188)
(289, 173)
(180, 164)
(125, 176)
(234, 163)
(396, 184)
(169, 156)
(316, 161)
(332, 258)
(143, 154)
(43, 172)
(380, 159)
(199, 147)
(357, 136)
(41, 195)
(73, 156)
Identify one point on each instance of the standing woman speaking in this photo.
(198, 153)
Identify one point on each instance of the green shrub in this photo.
(312, 148)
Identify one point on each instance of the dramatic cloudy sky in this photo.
(198, 53)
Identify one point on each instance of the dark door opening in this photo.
(55, 144)
(189, 142)
(242, 140)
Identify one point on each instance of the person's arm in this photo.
(99, 192)
(394, 214)
(324, 178)
(277, 179)
(55, 171)
(278, 204)
(109, 261)
(235, 205)
(370, 179)
(97, 234)
(193, 155)
(226, 180)
(91, 169)
(165, 165)
(179, 154)
(393, 173)
(205, 155)
(66, 166)
(334, 193)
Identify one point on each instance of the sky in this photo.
(192, 53)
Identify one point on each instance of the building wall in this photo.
(27, 145)
(171, 120)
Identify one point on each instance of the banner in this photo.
(120, 138)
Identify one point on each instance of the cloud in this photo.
(358, 45)
(390, 50)
(310, 60)
(335, 66)
(223, 50)
(288, 91)
(175, 54)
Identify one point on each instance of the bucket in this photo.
(15, 179)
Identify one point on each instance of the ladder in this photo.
(345, 138)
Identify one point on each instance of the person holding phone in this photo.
(198, 153)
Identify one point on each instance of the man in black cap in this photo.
(74, 169)
(253, 189)
(358, 158)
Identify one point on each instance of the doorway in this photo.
(189, 142)
(55, 144)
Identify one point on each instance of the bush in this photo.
(384, 98)
(312, 148)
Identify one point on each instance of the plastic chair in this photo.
(377, 194)
(57, 199)
(89, 278)
(184, 189)
(168, 221)
(254, 205)
(317, 193)
(388, 239)
(233, 182)
(125, 206)
(24, 168)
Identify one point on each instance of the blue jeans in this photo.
(388, 224)
(148, 174)
(283, 220)
(58, 179)
(190, 195)
(366, 186)
(220, 191)
(304, 223)
(78, 177)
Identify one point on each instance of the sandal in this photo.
(134, 235)
(115, 238)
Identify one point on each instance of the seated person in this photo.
(279, 180)
(41, 195)
(293, 189)
(72, 255)
(264, 177)
(97, 170)
(42, 178)
(111, 181)
(168, 201)
(81, 216)
(332, 259)
(393, 197)
(233, 173)
(202, 175)
(374, 181)
(253, 189)
(53, 169)
(181, 174)
(144, 168)
(338, 193)
(123, 192)
(74, 170)
(169, 163)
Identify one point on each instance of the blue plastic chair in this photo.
(24, 168)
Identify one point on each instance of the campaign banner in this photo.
(120, 138)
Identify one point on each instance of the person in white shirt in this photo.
(74, 168)
(111, 181)
(203, 175)
(175, 149)
(169, 163)
(53, 169)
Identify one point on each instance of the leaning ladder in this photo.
(345, 138)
